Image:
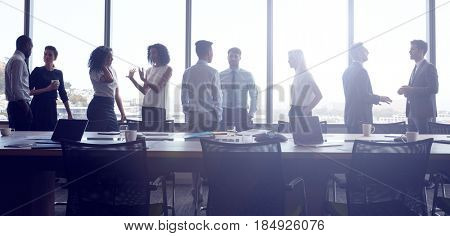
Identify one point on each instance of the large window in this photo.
(235, 23)
(75, 28)
(11, 16)
(443, 59)
(386, 28)
(137, 24)
(319, 29)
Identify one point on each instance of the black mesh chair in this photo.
(247, 179)
(388, 179)
(284, 127)
(168, 126)
(143, 126)
(110, 179)
(438, 128)
(441, 179)
(338, 180)
(390, 128)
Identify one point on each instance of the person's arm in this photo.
(120, 106)
(432, 86)
(69, 112)
(107, 76)
(217, 95)
(363, 89)
(161, 82)
(317, 95)
(63, 95)
(16, 72)
(143, 89)
(185, 92)
(32, 84)
(253, 92)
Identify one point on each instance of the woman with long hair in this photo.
(100, 112)
(154, 86)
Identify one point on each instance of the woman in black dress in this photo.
(45, 81)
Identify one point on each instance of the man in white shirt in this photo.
(17, 89)
(201, 96)
(237, 84)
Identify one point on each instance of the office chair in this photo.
(247, 179)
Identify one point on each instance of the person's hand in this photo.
(385, 99)
(406, 89)
(141, 74)
(52, 86)
(401, 91)
(69, 116)
(131, 73)
(123, 118)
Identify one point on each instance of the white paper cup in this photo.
(130, 135)
(6, 131)
(367, 129)
(55, 81)
(411, 136)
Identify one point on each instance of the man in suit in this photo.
(359, 97)
(421, 90)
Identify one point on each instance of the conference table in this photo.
(27, 175)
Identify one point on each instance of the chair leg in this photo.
(173, 194)
(196, 182)
(164, 194)
(334, 190)
(435, 195)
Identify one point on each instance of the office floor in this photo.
(184, 203)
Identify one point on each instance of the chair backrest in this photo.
(244, 179)
(387, 178)
(284, 127)
(143, 126)
(438, 128)
(390, 128)
(110, 179)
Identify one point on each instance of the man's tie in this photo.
(411, 79)
(233, 89)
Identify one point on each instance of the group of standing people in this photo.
(210, 100)
(44, 84)
(420, 92)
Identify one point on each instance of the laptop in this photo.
(308, 132)
(71, 130)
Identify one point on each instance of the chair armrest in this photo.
(295, 198)
(293, 183)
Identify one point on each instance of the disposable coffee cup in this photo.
(130, 135)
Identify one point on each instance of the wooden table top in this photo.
(160, 146)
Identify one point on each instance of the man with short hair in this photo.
(421, 90)
(201, 96)
(17, 89)
(237, 85)
(359, 97)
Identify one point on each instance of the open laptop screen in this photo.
(307, 130)
(72, 130)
